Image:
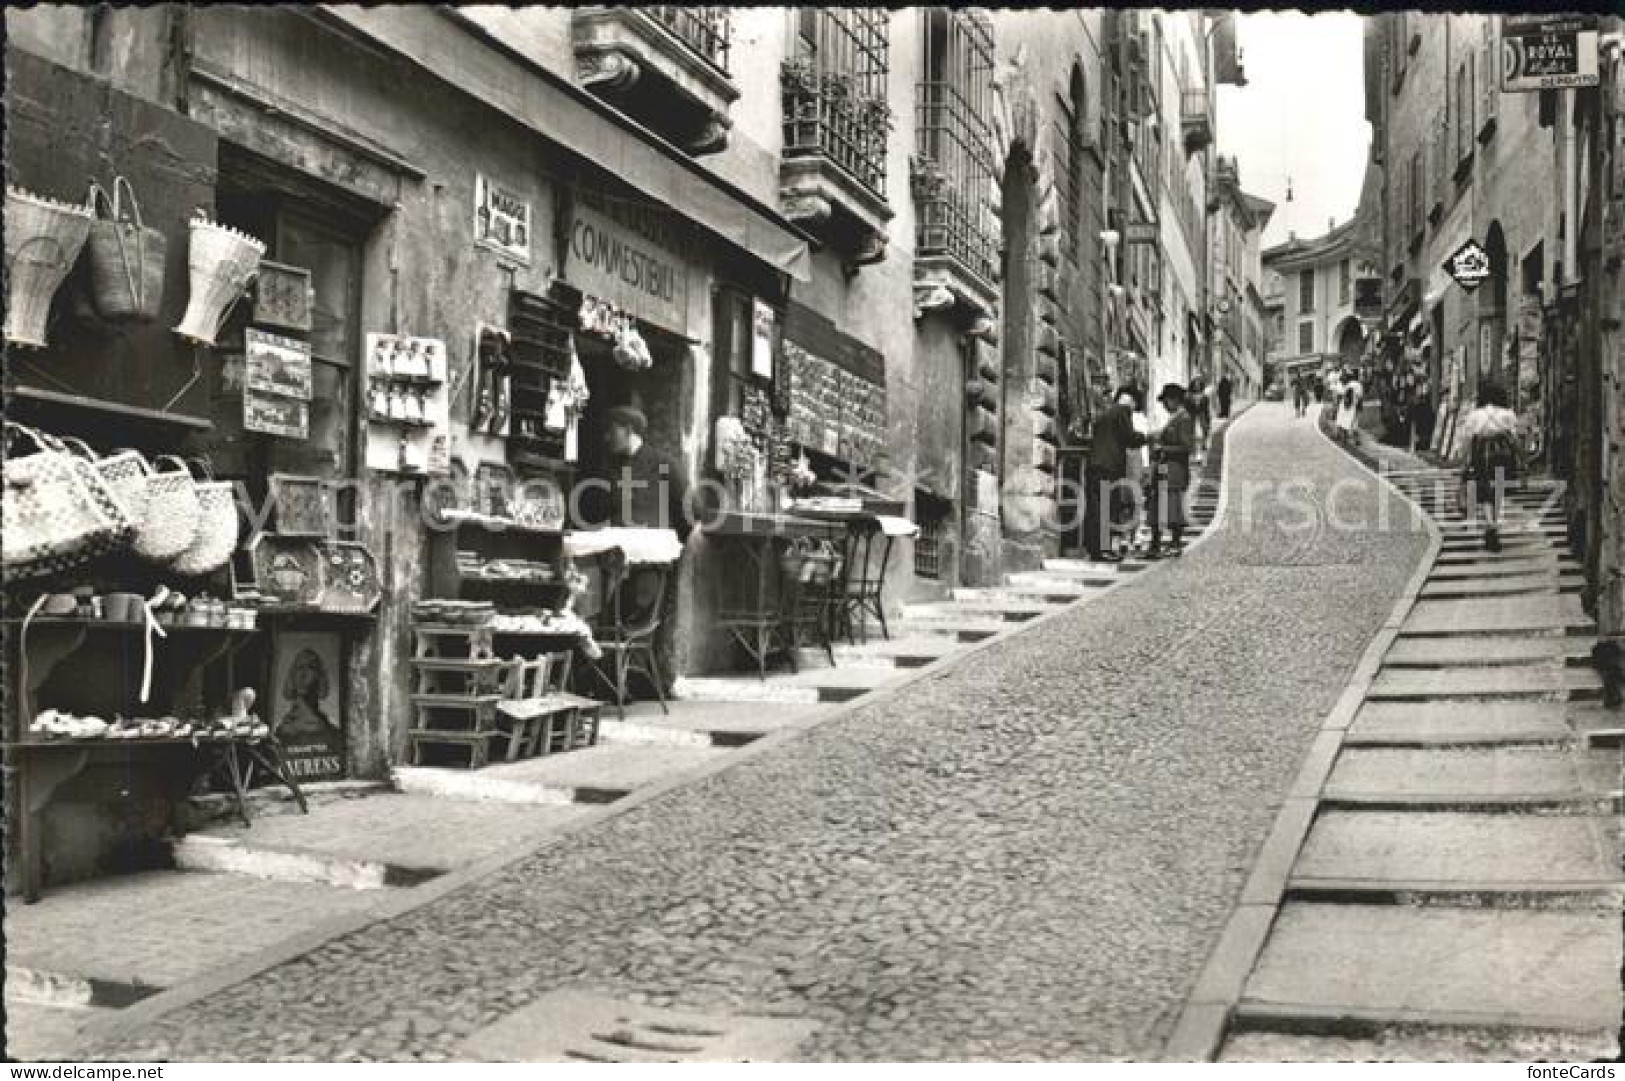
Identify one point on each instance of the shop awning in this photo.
(449, 44)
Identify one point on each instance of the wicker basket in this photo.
(43, 239)
(216, 535)
(126, 259)
(172, 512)
(221, 263)
(59, 511)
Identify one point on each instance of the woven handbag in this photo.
(124, 472)
(59, 511)
(172, 511)
(216, 535)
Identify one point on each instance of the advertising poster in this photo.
(501, 221)
(306, 714)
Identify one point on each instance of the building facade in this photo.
(1317, 318)
(913, 249)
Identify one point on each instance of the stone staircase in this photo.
(1458, 893)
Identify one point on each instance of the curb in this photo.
(134, 1018)
(1199, 1033)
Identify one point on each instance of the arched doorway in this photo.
(1350, 343)
(1492, 308)
(1020, 486)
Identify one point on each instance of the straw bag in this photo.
(171, 512)
(216, 535)
(126, 258)
(43, 239)
(123, 471)
(59, 511)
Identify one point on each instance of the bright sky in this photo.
(1301, 114)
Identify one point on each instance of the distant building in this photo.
(1318, 325)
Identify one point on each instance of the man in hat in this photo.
(646, 491)
(1110, 443)
(1172, 472)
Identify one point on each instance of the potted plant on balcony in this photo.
(927, 181)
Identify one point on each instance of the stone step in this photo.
(1015, 612)
(396, 839)
(1498, 615)
(131, 935)
(1465, 777)
(42, 1033)
(1072, 568)
(1376, 1038)
(895, 653)
(1500, 970)
(1497, 559)
(1486, 681)
(1543, 564)
(961, 630)
(1460, 722)
(742, 688)
(1080, 581)
(1451, 851)
(697, 724)
(531, 787)
(1509, 585)
(1486, 651)
(1051, 594)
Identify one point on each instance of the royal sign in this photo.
(1469, 267)
(1548, 52)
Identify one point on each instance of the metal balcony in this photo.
(1196, 120)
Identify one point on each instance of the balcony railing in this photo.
(1196, 119)
(707, 31)
(825, 115)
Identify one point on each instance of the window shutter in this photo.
(1489, 84)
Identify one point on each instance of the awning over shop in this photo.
(444, 41)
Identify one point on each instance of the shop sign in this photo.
(502, 221)
(1548, 52)
(1141, 232)
(306, 717)
(1469, 266)
(628, 258)
(761, 350)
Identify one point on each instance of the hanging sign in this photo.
(1469, 265)
(761, 348)
(629, 256)
(1548, 52)
(502, 221)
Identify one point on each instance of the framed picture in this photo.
(283, 296)
(305, 707)
(303, 506)
(288, 570)
(275, 364)
(350, 580)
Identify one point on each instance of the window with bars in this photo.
(1345, 282)
(1489, 90)
(707, 32)
(931, 515)
(1074, 134)
(955, 144)
(834, 88)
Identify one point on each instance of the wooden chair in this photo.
(538, 715)
(626, 634)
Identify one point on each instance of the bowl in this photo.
(60, 604)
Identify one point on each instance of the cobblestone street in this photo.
(1029, 858)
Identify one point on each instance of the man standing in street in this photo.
(1226, 388)
(1171, 467)
(1300, 396)
(1103, 474)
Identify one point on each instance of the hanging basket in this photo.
(216, 535)
(172, 512)
(43, 238)
(126, 259)
(221, 262)
(59, 511)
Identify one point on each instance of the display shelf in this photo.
(494, 523)
(31, 399)
(410, 380)
(104, 626)
(399, 422)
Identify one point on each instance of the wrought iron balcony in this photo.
(1196, 119)
(665, 66)
(837, 122)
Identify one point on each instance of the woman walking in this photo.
(1491, 430)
